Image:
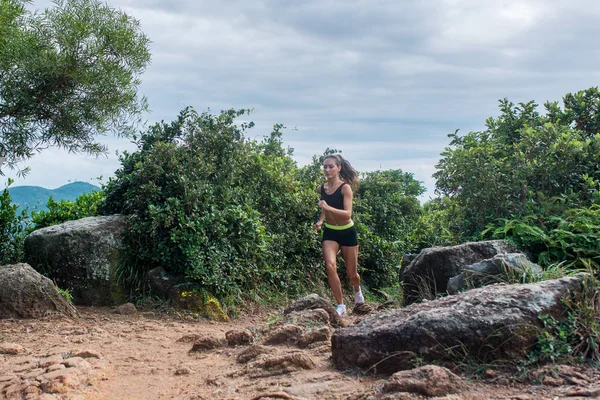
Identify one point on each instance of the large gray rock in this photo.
(428, 273)
(82, 256)
(490, 323)
(24, 293)
(501, 267)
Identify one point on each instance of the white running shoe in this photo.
(341, 309)
(358, 297)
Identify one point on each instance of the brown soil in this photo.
(147, 356)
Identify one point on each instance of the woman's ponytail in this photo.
(347, 172)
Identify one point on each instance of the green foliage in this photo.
(235, 216)
(85, 205)
(576, 335)
(571, 237)
(582, 109)
(554, 341)
(66, 294)
(524, 163)
(206, 203)
(386, 211)
(584, 309)
(440, 224)
(67, 75)
(13, 225)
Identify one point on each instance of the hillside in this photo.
(36, 197)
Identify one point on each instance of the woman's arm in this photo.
(319, 223)
(346, 213)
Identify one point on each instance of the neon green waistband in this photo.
(339, 227)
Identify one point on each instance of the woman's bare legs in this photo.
(350, 255)
(330, 250)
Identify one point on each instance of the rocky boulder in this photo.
(428, 273)
(81, 256)
(490, 323)
(494, 270)
(162, 284)
(24, 293)
(312, 302)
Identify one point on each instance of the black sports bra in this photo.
(335, 200)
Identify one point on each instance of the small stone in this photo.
(127, 309)
(11, 348)
(287, 334)
(552, 381)
(79, 363)
(490, 373)
(362, 309)
(87, 353)
(34, 373)
(53, 387)
(183, 371)
(252, 352)
(13, 390)
(46, 396)
(191, 338)
(7, 378)
(206, 343)
(429, 380)
(69, 377)
(58, 350)
(149, 314)
(25, 367)
(48, 361)
(239, 337)
(55, 367)
(322, 334)
(31, 389)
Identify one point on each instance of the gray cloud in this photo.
(385, 81)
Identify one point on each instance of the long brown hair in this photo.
(347, 173)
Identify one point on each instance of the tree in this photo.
(67, 75)
(524, 162)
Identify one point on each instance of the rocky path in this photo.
(104, 355)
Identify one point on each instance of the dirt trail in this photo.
(104, 355)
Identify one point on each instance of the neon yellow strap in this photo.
(339, 227)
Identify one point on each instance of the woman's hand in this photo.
(317, 226)
(323, 205)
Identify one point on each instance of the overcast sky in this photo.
(384, 81)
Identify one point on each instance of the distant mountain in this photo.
(36, 197)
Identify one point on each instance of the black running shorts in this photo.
(346, 237)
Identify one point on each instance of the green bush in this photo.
(575, 335)
(85, 205)
(523, 162)
(387, 212)
(13, 227)
(223, 211)
(234, 216)
(570, 237)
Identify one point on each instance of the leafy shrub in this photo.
(571, 237)
(234, 216)
(386, 211)
(439, 224)
(523, 162)
(13, 227)
(576, 334)
(85, 205)
(206, 203)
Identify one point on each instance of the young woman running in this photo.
(339, 231)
